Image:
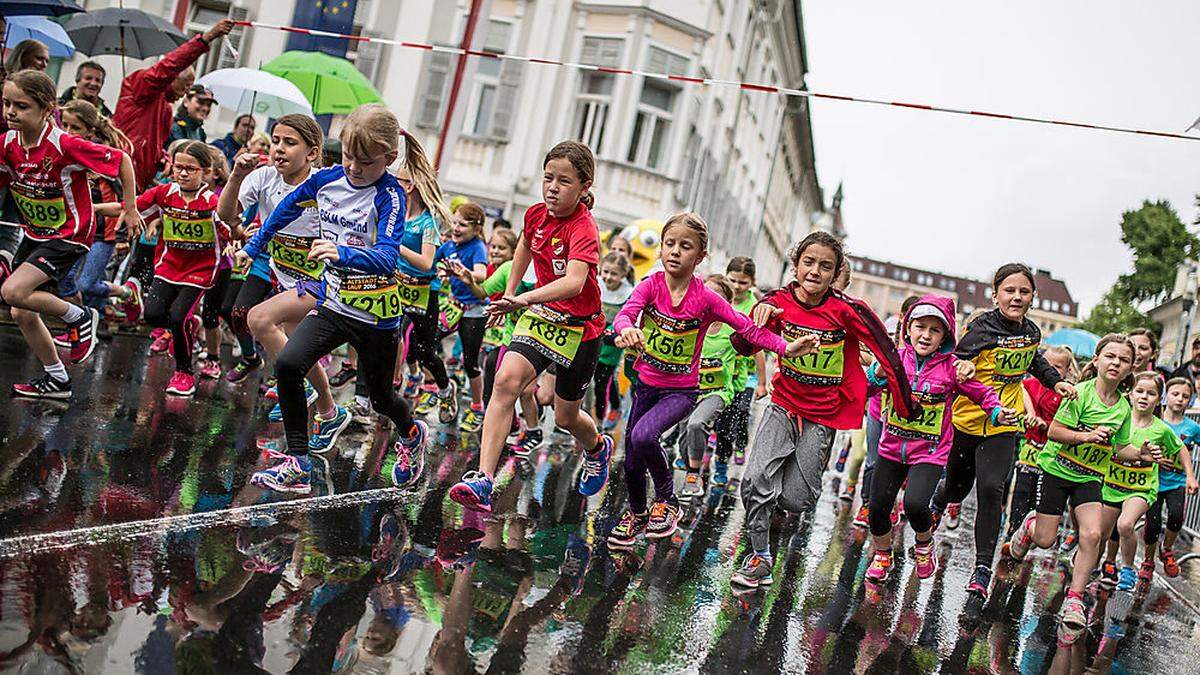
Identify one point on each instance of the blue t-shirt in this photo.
(417, 232)
(1188, 432)
(470, 254)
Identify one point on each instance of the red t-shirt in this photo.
(50, 186)
(190, 239)
(554, 242)
(1045, 404)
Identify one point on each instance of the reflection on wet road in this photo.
(130, 541)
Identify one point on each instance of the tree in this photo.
(1115, 314)
(1160, 242)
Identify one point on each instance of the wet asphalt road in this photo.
(131, 542)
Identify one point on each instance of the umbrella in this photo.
(1080, 341)
(49, 33)
(10, 8)
(331, 84)
(127, 32)
(255, 91)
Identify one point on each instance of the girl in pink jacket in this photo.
(917, 450)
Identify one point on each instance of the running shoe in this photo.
(680, 463)
(344, 376)
(574, 567)
(182, 384)
(242, 369)
(326, 431)
(663, 520)
(1068, 542)
(474, 491)
(426, 401)
(980, 582)
(270, 389)
(935, 516)
(861, 518)
(131, 304)
(840, 465)
(82, 335)
(720, 474)
(291, 474)
(310, 397)
(527, 442)
(1108, 575)
(692, 486)
(881, 564)
(595, 467)
(1170, 564)
(612, 420)
(924, 559)
(739, 456)
(952, 516)
(267, 549)
(210, 368)
(447, 404)
(43, 386)
(412, 386)
(62, 340)
(458, 549)
(162, 341)
(625, 533)
(472, 421)
(848, 492)
(755, 572)
(410, 456)
(1128, 579)
(1073, 614)
(1017, 547)
(1146, 571)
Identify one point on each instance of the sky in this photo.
(963, 195)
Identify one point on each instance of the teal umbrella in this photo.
(331, 85)
(1080, 341)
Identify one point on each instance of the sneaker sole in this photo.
(623, 544)
(466, 497)
(176, 392)
(54, 396)
(271, 485)
(664, 534)
(332, 437)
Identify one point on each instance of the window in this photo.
(481, 106)
(652, 126)
(594, 99)
(659, 60)
(1066, 308)
(971, 289)
(205, 15)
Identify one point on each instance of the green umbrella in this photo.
(331, 85)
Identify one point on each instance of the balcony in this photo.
(625, 192)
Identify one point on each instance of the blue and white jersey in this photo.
(264, 189)
(365, 223)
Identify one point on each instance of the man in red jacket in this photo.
(144, 108)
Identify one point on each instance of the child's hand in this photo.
(494, 320)
(763, 389)
(460, 270)
(1151, 452)
(762, 313)
(1007, 417)
(1192, 486)
(506, 304)
(241, 260)
(964, 370)
(245, 163)
(1065, 390)
(323, 250)
(630, 338)
(1032, 421)
(132, 220)
(803, 345)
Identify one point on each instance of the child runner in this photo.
(1130, 487)
(750, 380)
(1086, 433)
(45, 170)
(916, 450)
(190, 245)
(812, 396)
(360, 206)
(562, 326)
(616, 289)
(1173, 480)
(674, 309)
(465, 255)
(1002, 344)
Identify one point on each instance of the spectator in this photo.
(28, 54)
(189, 118)
(1190, 369)
(243, 129)
(89, 80)
(144, 108)
(331, 152)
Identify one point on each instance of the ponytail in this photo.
(98, 124)
(424, 178)
(588, 199)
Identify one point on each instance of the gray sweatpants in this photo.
(699, 423)
(784, 466)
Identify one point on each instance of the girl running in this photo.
(1174, 479)
(674, 309)
(614, 274)
(190, 245)
(750, 381)
(915, 451)
(45, 169)
(465, 255)
(562, 326)
(812, 396)
(1002, 344)
(360, 206)
(1087, 431)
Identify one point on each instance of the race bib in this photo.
(927, 426)
(1029, 452)
(713, 375)
(551, 337)
(291, 255)
(188, 234)
(670, 343)
(1129, 478)
(451, 314)
(1086, 459)
(494, 336)
(822, 367)
(1013, 363)
(376, 295)
(414, 298)
(45, 215)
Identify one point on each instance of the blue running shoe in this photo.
(474, 491)
(595, 468)
(310, 397)
(326, 432)
(680, 463)
(720, 474)
(289, 475)
(1128, 579)
(410, 456)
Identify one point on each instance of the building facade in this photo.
(885, 285)
(742, 159)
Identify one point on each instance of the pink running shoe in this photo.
(162, 341)
(923, 557)
(182, 384)
(131, 305)
(881, 564)
(211, 369)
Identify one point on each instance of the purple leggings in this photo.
(654, 411)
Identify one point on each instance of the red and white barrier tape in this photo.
(748, 86)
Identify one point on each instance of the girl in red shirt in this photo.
(46, 171)
(562, 327)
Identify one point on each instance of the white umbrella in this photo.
(256, 91)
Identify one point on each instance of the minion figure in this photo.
(643, 237)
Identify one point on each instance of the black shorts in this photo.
(54, 257)
(1054, 493)
(571, 383)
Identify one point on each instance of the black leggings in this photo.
(982, 461)
(470, 331)
(422, 343)
(733, 426)
(605, 390)
(889, 477)
(242, 296)
(491, 359)
(168, 306)
(213, 309)
(1024, 497)
(319, 334)
(1174, 501)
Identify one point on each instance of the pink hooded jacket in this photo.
(934, 383)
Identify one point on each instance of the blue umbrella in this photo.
(39, 28)
(1080, 341)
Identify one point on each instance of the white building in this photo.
(742, 159)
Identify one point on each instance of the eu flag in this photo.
(335, 16)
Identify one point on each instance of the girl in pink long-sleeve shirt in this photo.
(673, 309)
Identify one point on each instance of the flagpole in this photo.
(460, 68)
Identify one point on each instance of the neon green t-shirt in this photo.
(1140, 479)
(1086, 462)
(718, 365)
